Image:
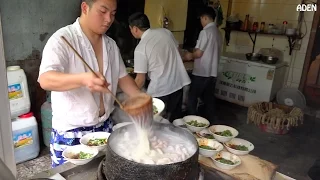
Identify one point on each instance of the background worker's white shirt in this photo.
(157, 55)
(210, 42)
(79, 107)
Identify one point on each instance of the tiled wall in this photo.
(275, 12)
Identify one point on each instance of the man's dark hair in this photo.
(89, 2)
(209, 12)
(139, 20)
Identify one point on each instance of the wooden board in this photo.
(251, 168)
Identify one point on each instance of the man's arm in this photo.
(52, 73)
(126, 83)
(128, 86)
(140, 68)
(199, 49)
(57, 81)
(140, 79)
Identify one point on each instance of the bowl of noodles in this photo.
(158, 107)
(95, 140)
(79, 154)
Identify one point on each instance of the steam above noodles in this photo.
(148, 143)
(164, 146)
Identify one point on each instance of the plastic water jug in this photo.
(46, 122)
(25, 138)
(18, 91)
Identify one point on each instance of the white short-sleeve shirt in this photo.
(80, 107)
(157, 55)
(210, 42)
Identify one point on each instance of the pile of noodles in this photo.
(275, 115)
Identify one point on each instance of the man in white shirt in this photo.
(80, 101)
(206, 57)
(157, 55)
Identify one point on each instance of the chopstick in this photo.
(87, 65)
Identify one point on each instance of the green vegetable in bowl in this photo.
(196, 123)
(97, 142)
(239, 147)
(208, 136)
(81, 155)
(155, 109)
(207, 147)
(226, 133)
(225, 161)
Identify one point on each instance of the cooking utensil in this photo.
(87, 65)
(118, 167)
(253, 56)
(269, 59)
(140, 108)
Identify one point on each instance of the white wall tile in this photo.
(264, 41)
(243, 39)
(231, 48)
(233, 37)
(299, 60)
(294, 85)
(304, 44)
(281, 42)
(286, 57)
(243, 49)
(294, 75)
(308, 16)
(286, 75)
(306, 28)
(287, 84)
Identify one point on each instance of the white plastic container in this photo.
(18, 91)
(25, 138)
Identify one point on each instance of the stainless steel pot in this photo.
(269, 59)
(118, 168)
(253, 56)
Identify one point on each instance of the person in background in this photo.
(206, 57)
(157, 55)
(80, 100)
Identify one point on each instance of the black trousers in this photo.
(204, 88)
(173, 103)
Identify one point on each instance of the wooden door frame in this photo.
(308, 60)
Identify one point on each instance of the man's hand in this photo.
(95, 82)
(188, 56)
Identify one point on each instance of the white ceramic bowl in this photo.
(119, 125)
(199, 119)
(211, 143)
(159, 104)
(228, 156)
(238, 141)
(73, 150)
(180, 123)
(204, 133)
(221, 128)
(85, 139)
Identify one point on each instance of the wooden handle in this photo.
(87, 65)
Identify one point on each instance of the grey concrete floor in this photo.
(294, 153)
